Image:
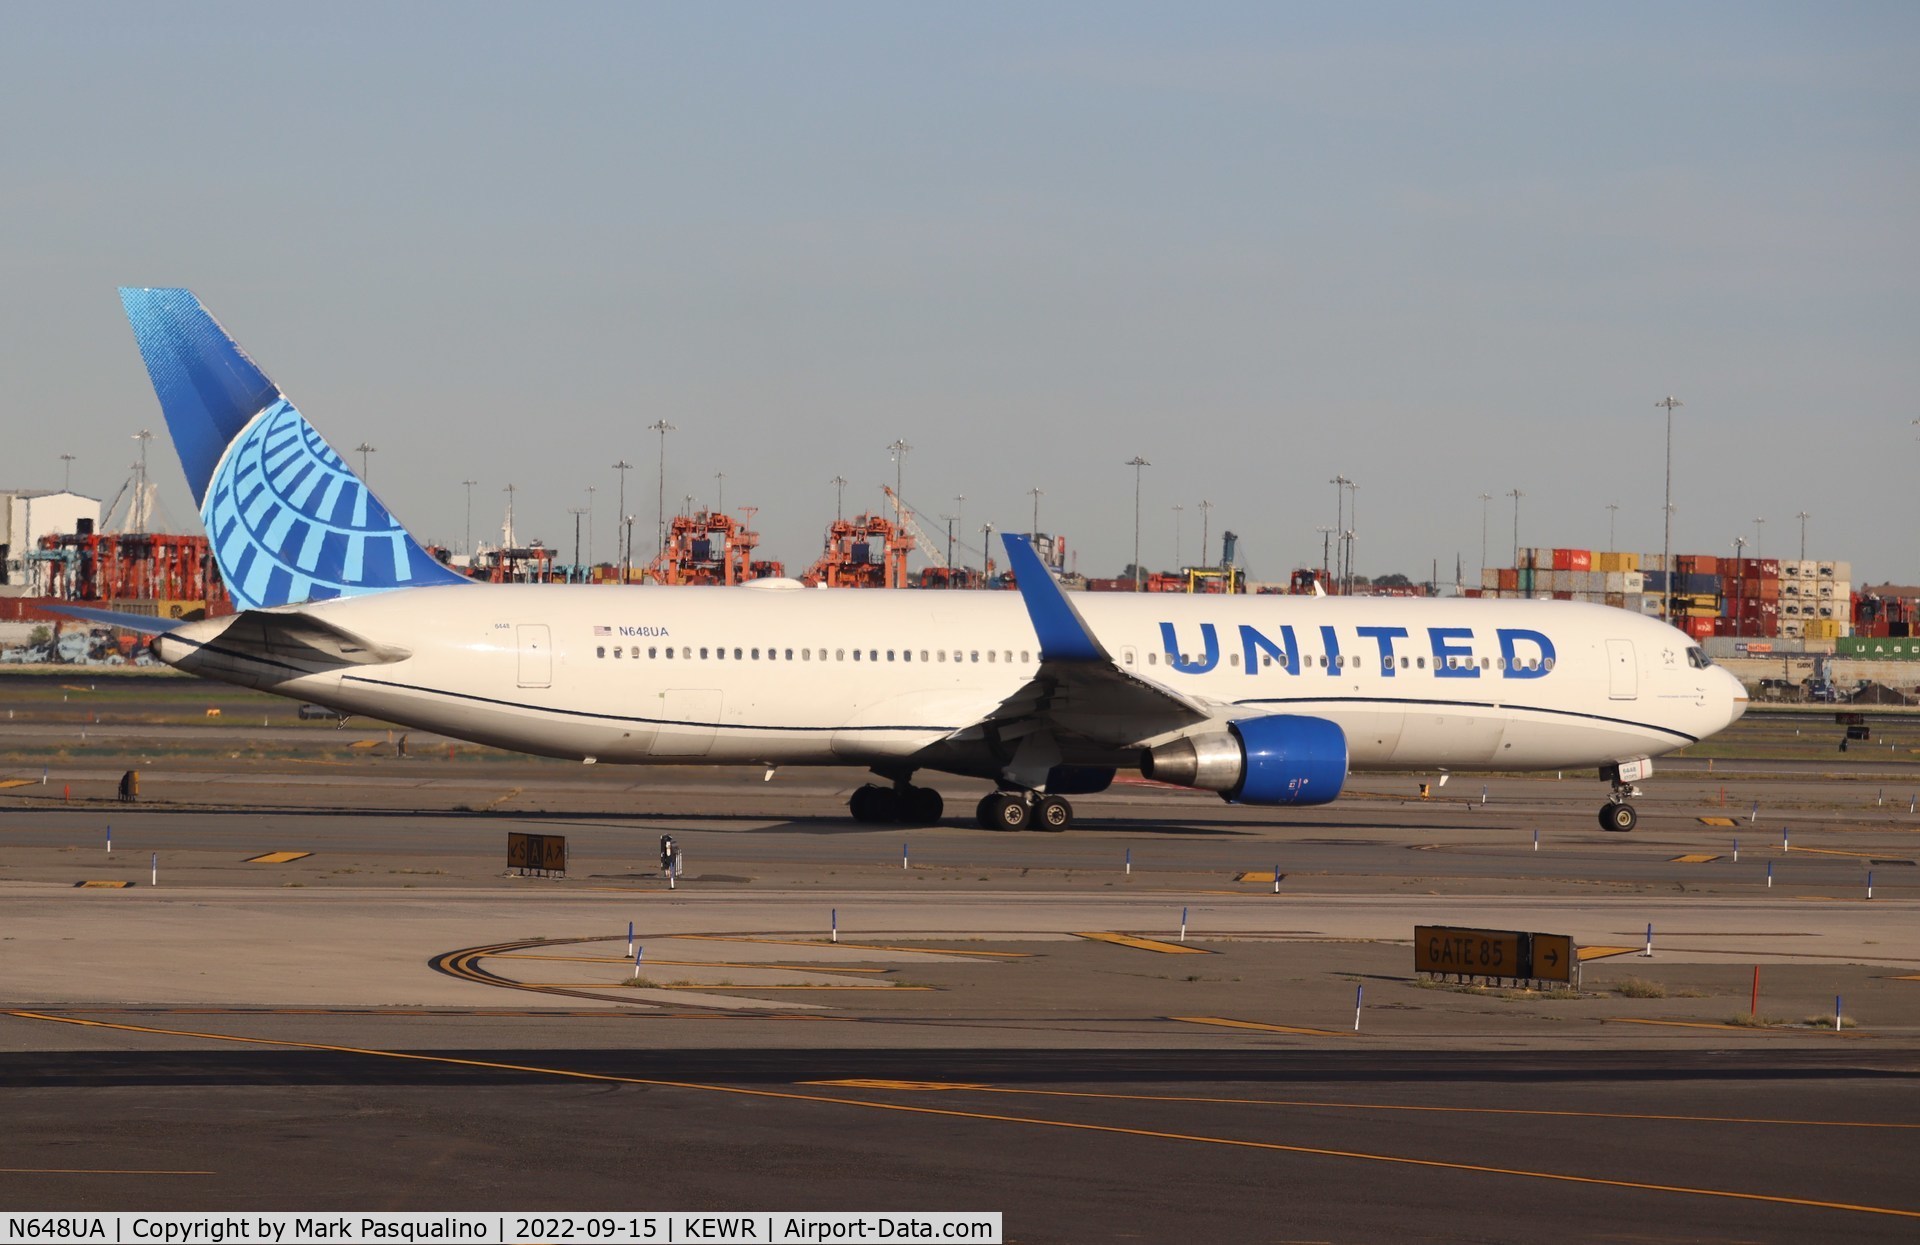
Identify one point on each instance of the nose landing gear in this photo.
(1616, 815)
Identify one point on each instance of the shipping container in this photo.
(1767, 568)
(1697, 564)
(1508, 579)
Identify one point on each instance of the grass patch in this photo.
(1639, 988)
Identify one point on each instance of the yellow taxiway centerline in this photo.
(1143, 944)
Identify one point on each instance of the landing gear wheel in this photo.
(872, 804)
(983, 811)
(1052, 813)
(1005, 810)
(922, 806)
(1619, 818)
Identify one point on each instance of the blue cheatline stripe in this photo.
(1062, 633)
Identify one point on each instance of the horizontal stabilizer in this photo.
(262, 648)
(145, 624)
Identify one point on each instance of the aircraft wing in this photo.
(1079, 691)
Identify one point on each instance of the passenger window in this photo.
(1024, 659)
(736, 654)
(703, 653)
(943, 654)
(1234, 660)
(923, 654)
(616, 653)
(890, 654)
(669, 652)
(1549, 663)
(1153, 658)
(989, 654)
(1009, 655)
(790, 654)
(856, 654)
(653, 651)
(873, 654)
(1484, 663)
(600, 651)
(1406, 663)
(756, 654)
(719, 654)
(1501, 664)
(1323, 661)
(976, 655)
(839, 654)
(1421, 662)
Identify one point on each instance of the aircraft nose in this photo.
(1737, 697)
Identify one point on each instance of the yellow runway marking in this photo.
(17, 782)
(277, 858)
(1908, 977)
(618, 959)
(1143, 944)
(1266, 877)
(1368, 1106)
(852, 946)
(1038, 1122)
(97, 885)
(1253, 1024)
(1715, 821)
(1696, 858)
(1601, 953)
(360, 745)
(1834, 851)
(932, 1086)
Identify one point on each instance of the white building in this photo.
(25, 516)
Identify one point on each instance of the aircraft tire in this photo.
(922, 806)
(1618, 818)
(870, 804)
(1007, 810)
(1052, 813)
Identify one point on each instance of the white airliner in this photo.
(1268, 700)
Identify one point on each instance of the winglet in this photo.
(288, 519)
(1063, 634)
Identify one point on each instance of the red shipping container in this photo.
(1766, 568)
(1697, 564)
(1572, 559)
(1563, 596)
(1509, 579)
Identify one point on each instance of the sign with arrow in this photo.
(1496, 953)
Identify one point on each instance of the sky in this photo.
(1443, 251)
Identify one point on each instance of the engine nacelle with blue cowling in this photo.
(1280, 759)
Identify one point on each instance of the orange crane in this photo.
(711, 548)
(849, 559)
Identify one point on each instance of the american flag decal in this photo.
(603, 631)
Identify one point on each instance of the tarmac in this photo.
(338, 996)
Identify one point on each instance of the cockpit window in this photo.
(1698, 659)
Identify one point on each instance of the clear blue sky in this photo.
(1443, 250)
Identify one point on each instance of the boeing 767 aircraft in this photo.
(1267, 700)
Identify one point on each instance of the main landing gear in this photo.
(1023, 810)
(901, 804)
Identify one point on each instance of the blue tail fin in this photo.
(288, 519)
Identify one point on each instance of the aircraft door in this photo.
(536, 655)
(691, 715)
(1623, 671)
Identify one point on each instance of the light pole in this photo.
(1352, 531)
(1206, 532)
(576, 512)
(1803, 516)
(141, 505)
(66, 478)
(1036, 493)
(469, 548)
(1484, 499)
(1613, 515)
(1326, 553)
(662, 427)
(899, 450)
(1516, 494)
(1137, 462)
(719, 492)
(959, 515)
(1740, 575)
(363, 449)
(508, 532)
(1339, 514)
(839, 497)
(626, 545)
(590, 509)
(1179, 554)
(1666, 548)
(1759, 529)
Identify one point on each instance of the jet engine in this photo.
(1280, 759)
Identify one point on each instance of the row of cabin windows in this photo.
(656, 652)
(1354, 660)
(962, 656)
